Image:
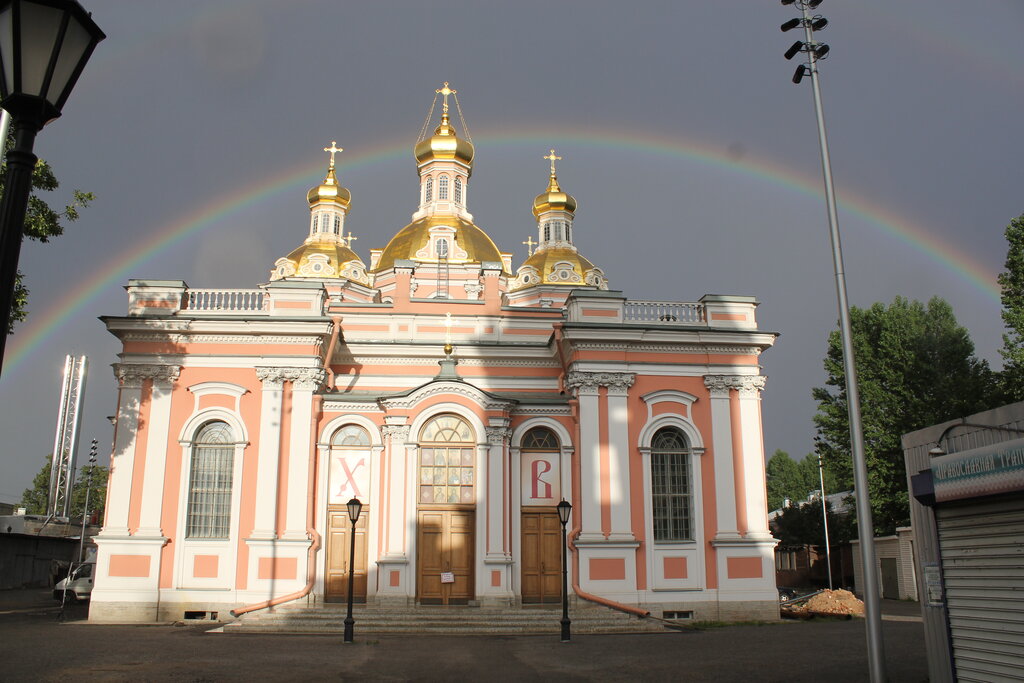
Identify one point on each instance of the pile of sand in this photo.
(835, 602)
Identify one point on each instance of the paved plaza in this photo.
(39, 647)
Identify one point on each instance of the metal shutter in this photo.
(982, 548)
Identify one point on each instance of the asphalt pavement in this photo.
(38, 645)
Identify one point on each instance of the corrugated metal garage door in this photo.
(982, 549)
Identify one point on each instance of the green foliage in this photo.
(916, 367)
(36, 499)
(41, 221)
(793, 479)
(803, 525)
(1011, 281)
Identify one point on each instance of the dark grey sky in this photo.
(693, 157)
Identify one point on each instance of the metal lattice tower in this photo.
(65, 441)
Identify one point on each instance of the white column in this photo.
(265, 521)
(156, 451)
(400, 455)
(618, 384)
(585, 384)
(300, 443)
(721, 440)
(122, 460)
(494, 480)
(749, 389)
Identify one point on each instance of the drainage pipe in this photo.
(329, 355)
(313, 548)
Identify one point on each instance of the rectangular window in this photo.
(670, 497)
(209, 492)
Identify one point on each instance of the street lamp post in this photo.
(354, 509)
(564, 510)
(44, 45)
(815, 51)
(824, 520)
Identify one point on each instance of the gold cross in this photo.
(348, 239)
(446, 91)
(530, 244)
(552, 158)
(333, 149)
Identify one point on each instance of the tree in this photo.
(916, 367)
(41, 221)
(794, 479)
(802, 525)
(1011, 281)
(36, 499)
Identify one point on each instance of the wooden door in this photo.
(339, 526)
(445, 544)
(541, 557)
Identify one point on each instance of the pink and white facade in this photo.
(246, 420)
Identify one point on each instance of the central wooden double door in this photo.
(542, 556)
(445, 546)
(339, 529)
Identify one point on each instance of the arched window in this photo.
(446, 461)
(428, 190)
(547, 232)
(351, 435)
(337, 224)
(316, 222)
(540, 438)
(350, 466)
(442, 248)
(671, 486)
(209, 482)
(458, 190)
(442, 187)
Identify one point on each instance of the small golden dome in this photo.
(560, 266)
(472, 245)
(321, 260)
(445, 144)
(329, 191)
(553, 200)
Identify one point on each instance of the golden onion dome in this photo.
(445, 145)
(322, 260)
(413, 242)
(559, 266)
(553, 200)
(329, 191)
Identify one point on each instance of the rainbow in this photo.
(115, 272)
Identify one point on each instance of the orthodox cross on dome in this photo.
(332, 150)
(348, 239)
(530, 244)
(445, 92)
(552, 158)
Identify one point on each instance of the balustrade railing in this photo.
(233, 300)
(668, 312)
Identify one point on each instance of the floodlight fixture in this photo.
(821, 51)
(801, 71)
(812, 4)
(788, 2)
(793, 49)
(819, 22)
(790, 25)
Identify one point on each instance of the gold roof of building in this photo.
(553, 199)
(445, 144)
(329, 191)
(415, 237)
(546, 260)
(325, 259)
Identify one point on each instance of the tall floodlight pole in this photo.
(865, 524)
(824, 520)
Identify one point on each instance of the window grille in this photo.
(671, 487)
(351, 435)
(209, 485)
(547, 232)
(337, 225)
(428, 190)
(458, 190)
(540, 438)
(442, 187)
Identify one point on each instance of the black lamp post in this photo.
(564, 510)
(44, 45)
(354, 509)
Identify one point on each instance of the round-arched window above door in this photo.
(447, 474)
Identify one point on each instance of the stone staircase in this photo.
(328, 618)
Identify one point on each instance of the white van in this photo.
(78, 584)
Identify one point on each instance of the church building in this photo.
(459, 397)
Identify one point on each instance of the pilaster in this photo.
(585, 385)
(265, 519)
(721, 438)
(300, 442)
(162, 383)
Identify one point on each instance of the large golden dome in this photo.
(329, 191)
(321, 259)
(445, 144)
(413, 243)
(559, 266)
